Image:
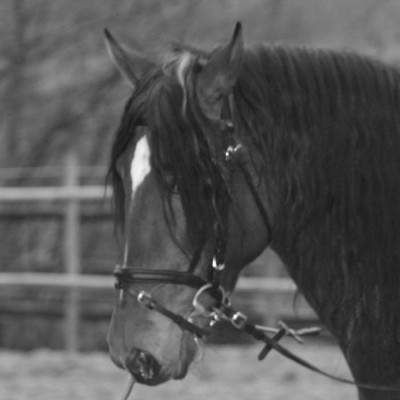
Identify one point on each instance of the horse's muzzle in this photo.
(143, 367)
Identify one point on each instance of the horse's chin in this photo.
(188, 351)
(187, 354)
(176, 370)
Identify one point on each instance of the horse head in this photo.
(179, 204)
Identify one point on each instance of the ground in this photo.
(224, 372)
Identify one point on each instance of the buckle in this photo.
(239, 320)
(217, 266)
(145, 299)
(232, 151)
(214, 318)
(267, 348)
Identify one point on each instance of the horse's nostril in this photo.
(143, 366)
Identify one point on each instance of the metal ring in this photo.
(195, 302)
(198, 306)
(239, 320)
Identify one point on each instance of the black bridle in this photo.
(127, 276)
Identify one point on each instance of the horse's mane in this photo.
(326, 126)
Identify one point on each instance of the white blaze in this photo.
(140, 166)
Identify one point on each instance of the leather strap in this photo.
(135, 275)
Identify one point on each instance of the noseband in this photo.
(127, 276)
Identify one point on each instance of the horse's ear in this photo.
(220, 72)
(129, 62)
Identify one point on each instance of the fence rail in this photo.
(86, 281)
(71, 194)
(53, 193)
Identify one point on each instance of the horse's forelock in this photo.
(166, 102)
(180, 140)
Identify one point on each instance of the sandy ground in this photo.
(225, 372)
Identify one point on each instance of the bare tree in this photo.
(15, 70)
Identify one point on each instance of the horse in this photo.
(223, 152)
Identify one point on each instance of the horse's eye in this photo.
(171, 182)
(174, 189)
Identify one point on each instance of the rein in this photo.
(235, 155)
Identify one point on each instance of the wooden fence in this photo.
(71, 194)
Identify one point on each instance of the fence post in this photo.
(72, 253)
